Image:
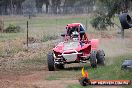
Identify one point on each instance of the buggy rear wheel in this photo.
(93, 59)
(100, 57)
(50, 60)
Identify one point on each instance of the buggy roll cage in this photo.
(75, 27)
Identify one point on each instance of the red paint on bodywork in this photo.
(94, 44)
(73, 25)
(84, 45)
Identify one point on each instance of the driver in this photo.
(75, 35)
(82, 31)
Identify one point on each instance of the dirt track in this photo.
(14, 74)
(36, 79)
(33, 80)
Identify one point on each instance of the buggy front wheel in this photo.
(50, 60)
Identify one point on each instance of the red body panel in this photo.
(94, 44)
(73, 25)
(60, 47)
(84, 45)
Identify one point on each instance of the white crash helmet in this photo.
(75, 35)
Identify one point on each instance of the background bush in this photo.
(12, 29)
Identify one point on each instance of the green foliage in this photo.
(52, 77)
(105, 11)
(101, 22)
(12, 29)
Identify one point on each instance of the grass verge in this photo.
(107, 72)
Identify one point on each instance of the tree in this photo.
(18, 4)
(47, 4)
(9, 5)
(4, 4)
(39, 4)
(29, 7)
(55, 5)
(1, 25)
(106, 10)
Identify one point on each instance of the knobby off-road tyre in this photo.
(50, 60)
(100, 57)
(93, 59)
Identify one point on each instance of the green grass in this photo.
(52, 77)
(79, 86)
(111, 71)
(39, 26)
(107, 72)
(35, 22)
(10, 36)
(102, 72)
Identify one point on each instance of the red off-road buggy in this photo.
(76, 48)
